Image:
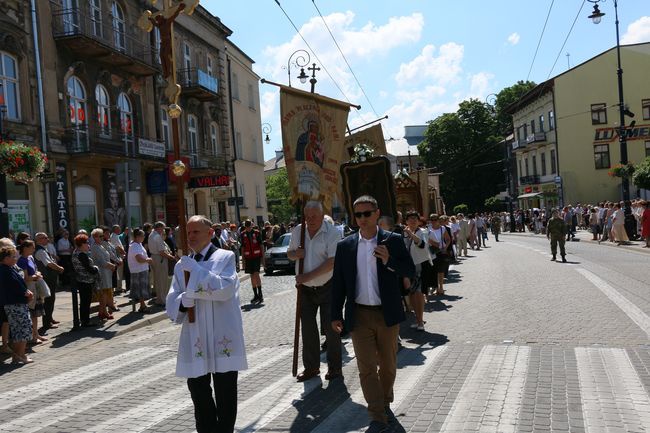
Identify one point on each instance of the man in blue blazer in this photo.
(368, 271)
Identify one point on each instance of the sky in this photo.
(417, 59)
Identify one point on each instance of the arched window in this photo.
(214, 140)
(96, 17)
(77, 102)
(86, 207)
(9, 82)
(126, 114)
(119, 27)
(103, 110)
(192, 136)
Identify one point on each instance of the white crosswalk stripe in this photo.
(53, 384)
(496, 385)
(613, 396)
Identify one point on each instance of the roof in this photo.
(275, 163)
(400, 147)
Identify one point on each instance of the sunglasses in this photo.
(365, 214)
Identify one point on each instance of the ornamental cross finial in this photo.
(164, 21)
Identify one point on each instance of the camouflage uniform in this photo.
(556, 230)
(495, 222)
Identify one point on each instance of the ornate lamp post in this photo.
(266, 130)
(302, 59)
(596, 16)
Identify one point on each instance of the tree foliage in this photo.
(461, 208)
(278, 194)
(506, 97)
(493, 203)
(641, 176)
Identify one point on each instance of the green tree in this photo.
(461, 208)
(278, 195)
(464, 147)
(505, 98)
(493, 203)
(641, 176)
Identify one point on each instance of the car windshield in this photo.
(283, 241)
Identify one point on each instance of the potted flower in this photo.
(622, 170)
(362, 152)
(21, 162)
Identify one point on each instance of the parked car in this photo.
(276, 259)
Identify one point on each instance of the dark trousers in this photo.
(53, 284)
(211, 417)
(85, 297)
(311, 300)
(66, 277)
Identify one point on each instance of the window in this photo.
(541, 123)
(187, 56)
(598, 114)
(96, 17)
(601, 155)
(645, 107)
(526, 165)
(242, 194)
(238, 147)
(103, 111)
(254, 149)
(214, 141)
(251, 96)
(9, 86)
(520, 134)
(534, 165)
(525, 131)
(520, 171)
(126, 115)
(647, 148)
(532, 126)
(553, 162)
(192, 139)
(156, 44)
(258, 196)
(85, 207)
(235, 86)
(77, 102)
(551, 120)
(542, 157)
(119, 27)
(70, 16)
(209, 66)
(164, 123)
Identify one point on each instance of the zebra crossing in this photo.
(613, 393)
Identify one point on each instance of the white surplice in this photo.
(214, 343)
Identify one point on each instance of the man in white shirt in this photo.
(115, 241)
(160, 254)
(51, 271)
(316, 290)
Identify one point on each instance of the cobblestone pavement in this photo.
(518, 344)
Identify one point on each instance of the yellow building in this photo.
(585, 110)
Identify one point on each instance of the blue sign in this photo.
(157, 182)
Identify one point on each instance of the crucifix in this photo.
(164, 21)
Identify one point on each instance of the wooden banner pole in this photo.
(301, 268)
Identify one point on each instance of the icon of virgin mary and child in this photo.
(309, 146)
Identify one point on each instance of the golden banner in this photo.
(373, 137)
(313, 129)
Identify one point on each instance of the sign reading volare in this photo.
(209, 181)
(60, 212)
(607, 135)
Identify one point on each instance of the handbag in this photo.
(42, 289)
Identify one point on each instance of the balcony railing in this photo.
(97, 38)
(79, 140)
(529, 180)
(208, 160)
(516, 144)
(196, 82)
(536, 137)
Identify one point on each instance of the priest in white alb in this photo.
(211, 349)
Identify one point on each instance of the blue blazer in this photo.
(344, 279)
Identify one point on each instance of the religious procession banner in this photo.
(313, 134)
(372, 137)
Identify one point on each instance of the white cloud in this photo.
(513, 39)
(443, 68)
(638, 31)
(480, 84)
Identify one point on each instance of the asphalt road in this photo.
(519, 343)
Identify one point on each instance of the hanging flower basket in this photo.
(362, 152)
(622, 170)
(20, 162)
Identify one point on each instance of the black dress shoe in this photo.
(307, 374)
(377, 427)
(333, 374)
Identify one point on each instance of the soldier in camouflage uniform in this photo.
(556, 231)
(495, 223)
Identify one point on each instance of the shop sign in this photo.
(61, 202)
(151, 148)
(209, 181)
(607, 135)
(528, 189)
(19, 216)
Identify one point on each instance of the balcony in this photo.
(518, 144)
(81, 141)
(208, 161)
(97, 40)
(198, 84)
(537, 137)
(529, 180)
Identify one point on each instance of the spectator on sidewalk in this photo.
(87, 277)
(645, 223)
(160, 255)
(121, 255)
(4, 321)
(64, 250)
(139, 266)
(102, 259)
(50, 270)
(31, 275)
(415, 239)
(117, 261)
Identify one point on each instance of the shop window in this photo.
(103, 111)
(553, 162)
(86, 207)
(9, 86)
(598, 114)
(645, 106)
(601, 156)
(119, 27)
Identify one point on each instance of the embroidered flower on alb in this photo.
(199, 348)
(225, 342)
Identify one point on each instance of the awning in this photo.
(531, 195)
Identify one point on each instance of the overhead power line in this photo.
(567, 38)
(344, 58)
(539, 42)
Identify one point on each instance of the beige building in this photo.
(583, 129)
(247, 126)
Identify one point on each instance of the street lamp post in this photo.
(266, 130)
(596, 16)
(302, 59)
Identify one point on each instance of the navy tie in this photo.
(198, 257)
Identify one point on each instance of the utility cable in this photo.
(567, 38)
(344, 58)
(539, 42)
